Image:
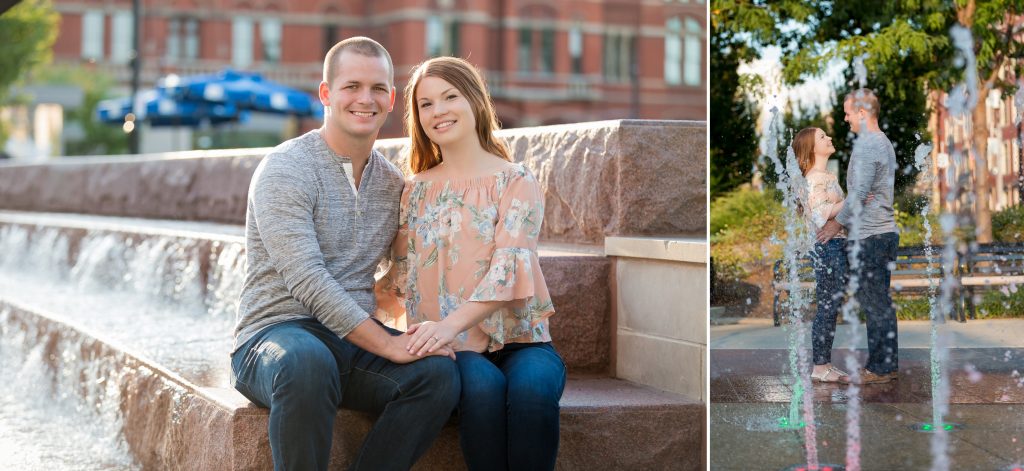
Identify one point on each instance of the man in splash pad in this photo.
(872, 225)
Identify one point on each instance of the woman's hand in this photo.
(429, 336)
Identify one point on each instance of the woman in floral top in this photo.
(469, 273)
(824, 200)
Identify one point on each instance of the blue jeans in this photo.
(831, 271)
(876, 253)
(508, 413)
(304, 372)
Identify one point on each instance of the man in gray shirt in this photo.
(322, 211)
(872, 171)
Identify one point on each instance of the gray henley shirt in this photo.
(872, 171)
(312, 241)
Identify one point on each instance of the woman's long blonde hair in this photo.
(424, 154)
(803, 147)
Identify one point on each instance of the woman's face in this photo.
(445, 114)
(822, 145)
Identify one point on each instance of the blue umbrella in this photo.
(158, 109)
(246, 91)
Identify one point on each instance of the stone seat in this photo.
(606, 423)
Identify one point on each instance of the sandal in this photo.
(830, 375)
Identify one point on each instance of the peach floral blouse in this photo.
(824, 192)
(474, 239)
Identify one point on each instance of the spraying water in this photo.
(794, 189)
(851, 307)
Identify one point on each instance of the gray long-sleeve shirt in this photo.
(312, 241)
(872, 171)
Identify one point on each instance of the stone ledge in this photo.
(607, 178)
(605, 424)
(674, 249)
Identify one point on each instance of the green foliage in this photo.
(98, 138)
(734, 141)
(27, 33)
(912, 230)
(743, 224)
(999, 303)
(737, 208)
(1008, 224)
(912, 308)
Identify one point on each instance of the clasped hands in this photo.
(429, 336)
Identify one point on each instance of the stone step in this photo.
(606, 423)
(578, 280)
(169, 422)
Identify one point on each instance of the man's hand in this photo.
(828, 231)
(429, 336)
(401, 355)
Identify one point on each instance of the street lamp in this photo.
(136, 64)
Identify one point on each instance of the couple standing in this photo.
(461, 238)
(865, 215)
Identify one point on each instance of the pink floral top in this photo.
(475, 240)
(824, 192)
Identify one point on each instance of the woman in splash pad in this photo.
(824, 200)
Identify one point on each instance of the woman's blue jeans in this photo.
(508, 412)
(831, 271)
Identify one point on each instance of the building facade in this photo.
(546, 62)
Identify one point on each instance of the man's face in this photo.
(852, 115)
(359, 97)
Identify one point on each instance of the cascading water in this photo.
(168, 298)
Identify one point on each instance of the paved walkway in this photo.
(751, 389)
(985, 333)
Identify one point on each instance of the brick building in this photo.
(547, 62)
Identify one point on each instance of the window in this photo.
(92, 35)
(547, 51)
(435, 36)
(121, 37)
(576, 48)
(694, 37)
(525, 50)
(453, 38)
(191, 38)
(182, 38)
(330, 37)
(241, 42)
(617, 56)
(674, 51)
(270, 39)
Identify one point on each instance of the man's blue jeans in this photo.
(508, 414)
(831, 267)
(876, 253)
(304, 372)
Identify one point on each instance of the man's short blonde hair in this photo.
(864, 98)
(360, 45)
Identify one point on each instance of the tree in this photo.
(734, 140)
(98, 138)
(27, 33)
(915, 34)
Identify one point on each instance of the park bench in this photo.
(989, 266)
(909, 277)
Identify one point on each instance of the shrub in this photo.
(738, 208)
(1008, 224)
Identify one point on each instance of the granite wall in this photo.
(606, 178)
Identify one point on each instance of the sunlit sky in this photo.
(815, 91)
